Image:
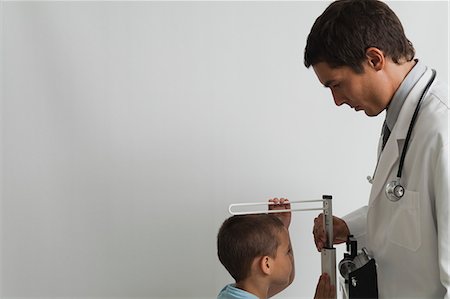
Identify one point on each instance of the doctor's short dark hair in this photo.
(243, 238)
(341, 35)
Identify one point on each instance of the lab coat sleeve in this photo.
(442, 214)
(357, 222)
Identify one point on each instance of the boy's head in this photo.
(261, 241)
(347, 28)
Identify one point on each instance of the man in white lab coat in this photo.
(359, 50)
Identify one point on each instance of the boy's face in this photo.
(284, 260)
(359, 91)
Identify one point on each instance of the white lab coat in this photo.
(409, 239)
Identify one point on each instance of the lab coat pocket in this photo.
(405, 228)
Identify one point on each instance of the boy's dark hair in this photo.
(341, 35)
(243, 238)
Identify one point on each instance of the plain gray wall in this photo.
(127, 128)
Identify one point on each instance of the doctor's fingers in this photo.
(324, 289)
(279, 204)
(340, 230)
(319, 232)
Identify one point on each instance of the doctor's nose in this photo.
(338, 99)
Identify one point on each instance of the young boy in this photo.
(256, 250)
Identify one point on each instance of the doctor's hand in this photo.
(340, 231)
(281, 204)
(324, 290)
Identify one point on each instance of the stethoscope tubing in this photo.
(413, 123)
(391, 185)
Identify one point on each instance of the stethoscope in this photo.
(394, 190)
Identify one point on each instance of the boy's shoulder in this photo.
(231, 292)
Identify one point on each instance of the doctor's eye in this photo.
(336, 85)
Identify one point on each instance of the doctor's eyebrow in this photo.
(328, 83)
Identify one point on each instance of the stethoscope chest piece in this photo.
(394, 191)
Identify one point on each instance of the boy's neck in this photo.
(258, 288)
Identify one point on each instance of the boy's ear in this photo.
(375, 58)
(265, 264)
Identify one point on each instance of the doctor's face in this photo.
(359, 91)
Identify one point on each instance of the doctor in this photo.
(359, 51)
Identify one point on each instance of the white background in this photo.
(127, 128)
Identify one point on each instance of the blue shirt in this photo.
(231, 292)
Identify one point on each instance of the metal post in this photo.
(328, 252)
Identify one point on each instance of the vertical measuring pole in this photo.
(328, 251)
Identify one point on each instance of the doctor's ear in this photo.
(375, 58)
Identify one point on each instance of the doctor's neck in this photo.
(397, 72)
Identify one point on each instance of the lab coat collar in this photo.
(390, 156)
